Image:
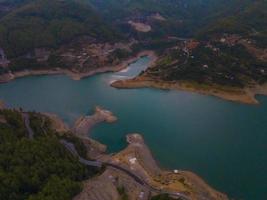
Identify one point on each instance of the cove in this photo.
(223, 142)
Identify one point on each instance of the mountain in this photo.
(249, 21)
(30, 25)
(45, 23)
(225, 54)
(27, 24)
(185, 16)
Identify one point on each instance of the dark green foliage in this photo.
(247, 19)
(36, 169)
(79, 146)
(186, 17)
(27, 165)
(157, 45)
(40, 125)
(16, 124)
(260, 39)
(228, 66)
(22, 63)
(121, 53)
(55, 61)
(45, 23)
(58, 189)
(3, 70)
(122, 192)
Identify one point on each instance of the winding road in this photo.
(99, 164)
(71, 148)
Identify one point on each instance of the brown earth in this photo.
(246, 95)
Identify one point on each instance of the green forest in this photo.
(45, 23)
(38, 169)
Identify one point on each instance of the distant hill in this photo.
(228, 47)
(183, 17)
(45, 23)
(250, 20)
(153, 24)
(27, 24)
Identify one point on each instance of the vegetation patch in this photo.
(41, 168)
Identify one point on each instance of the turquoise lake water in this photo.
(223, 142)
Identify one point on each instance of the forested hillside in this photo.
(229, 50)
(152, 24)
(28, 24)
(188, 15)
(250, 20)
(45, 23)
(38, 168)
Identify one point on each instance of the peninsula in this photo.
(206, 67)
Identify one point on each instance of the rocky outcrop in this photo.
(85, 123)
(94, 148)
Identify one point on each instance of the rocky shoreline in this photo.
(72, 74)
(84, 124)
(246, 95)
(136, 157)
(134, 169)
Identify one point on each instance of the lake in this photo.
(223, 142)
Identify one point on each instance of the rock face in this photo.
(85, 123)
